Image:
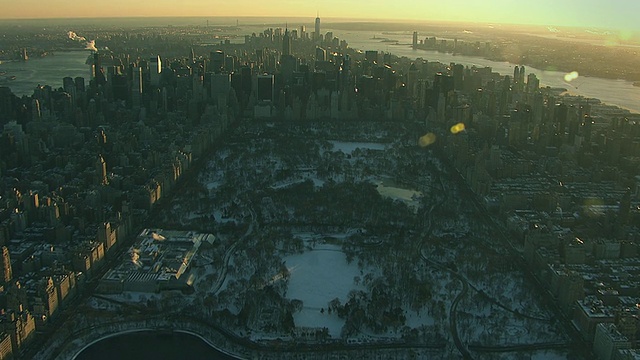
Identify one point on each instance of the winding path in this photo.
(230, 251)
(453, 309)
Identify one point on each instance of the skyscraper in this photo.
(155, 68)
(316, 34)
(415, 39)
(217, 61)
(7, 274)
(97, 71)
(286, 43)
(136, 85)
(265, 88)
(321, 54)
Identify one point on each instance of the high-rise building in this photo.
(286, 43)
(220, 86)
(371, 56)
(79, 84)
(136, 86)
(217, 61)
(229, 63)
(415, 39)
(97, 73)
(101, 170)
(265, 88)
(302, 33)
(316, 34)
(36, 113)
(321, 54)
(155, 68)
(7, 274)
(6, 349)
(69, 86)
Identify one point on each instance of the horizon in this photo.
(614, 15)
(231, 21)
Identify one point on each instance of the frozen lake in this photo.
(317, 277)
(348, 147)
(410, 197)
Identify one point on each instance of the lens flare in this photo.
(457, 128)
(427, 140)
(571, 76)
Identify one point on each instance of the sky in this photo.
(612, 14)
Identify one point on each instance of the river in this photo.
(48, 70)
(614, 92)
(51, 69)
(152, 345)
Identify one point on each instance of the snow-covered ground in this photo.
(410, 197)
(415, 320)
(302, 177)
(350, 147)
(317, 277)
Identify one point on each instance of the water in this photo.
(152, 345)
(614, 92)
(51, 69)
(48, 70)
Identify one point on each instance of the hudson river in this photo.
(48, 70)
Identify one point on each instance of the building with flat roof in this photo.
(608, 341)
(155, 262)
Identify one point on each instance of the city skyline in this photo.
(616, 14)
(275, 187)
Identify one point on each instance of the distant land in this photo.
(590, 51)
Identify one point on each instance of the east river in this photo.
(613, 92)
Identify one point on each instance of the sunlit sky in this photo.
(614, 14)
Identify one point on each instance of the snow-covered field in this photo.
(317, 277)
(410, 197)
(350, 147)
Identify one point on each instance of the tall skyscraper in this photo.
(316, 34)
(97, 72)
(303, 32)
(415, 39)
(321, 54)
(265, 88)
(101, 170)
(217, 61)
(371, 56)
(79, 84)
(7, 274)
(136, 86)
(286, 43)
(155, 68)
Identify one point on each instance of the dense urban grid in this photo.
(187, 184)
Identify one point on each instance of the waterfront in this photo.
(48, 70)
(152, 345)
(620, 93)
(51, 69)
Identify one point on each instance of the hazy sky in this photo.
(615, 14)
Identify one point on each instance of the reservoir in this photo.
(152, 345)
